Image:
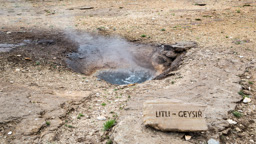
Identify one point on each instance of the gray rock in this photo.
(183, 46)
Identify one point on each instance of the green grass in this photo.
(238, 11)
(48, 123)
(109, 142)
(162, 29)
(242, 94)
(79, 116)
(246, 5)
(103, 104)
(69, 126)
(250, 82)
(143, 35)
(237, 114)
(109, 124)
(37, 63)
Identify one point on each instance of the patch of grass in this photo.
(47, 123)
(173, 82)
(238, 11)
(237, 114)
(109, 142)
(207, 16)
(143, 35)
(101, 28)
(242, 94)
(227, 36)
(37, 63)
(103, 104)
(246, 5)
(238, 42)
(198, 19)
(69, 126)
(109, 124)
(129, 96)
(250, 82)
(162, 29)
(79, 116)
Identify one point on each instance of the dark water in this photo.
(124, 77)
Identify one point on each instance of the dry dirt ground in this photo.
(42, 101)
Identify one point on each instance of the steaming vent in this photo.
(120, 62)
(111, 59)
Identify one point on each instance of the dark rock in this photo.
(171, 54)
(183, 46)
(45, 42)
(86, 8)
(167, 47)
(160, 60)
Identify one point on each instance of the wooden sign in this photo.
(169, 115)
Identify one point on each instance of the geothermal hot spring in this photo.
(112, 59)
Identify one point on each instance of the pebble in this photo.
(238, 129)
(230, 121)
(252, 141)
(101, 118)
(17, 70)
(212, 141)
(10, 132)
(187, 137)
(247, 100)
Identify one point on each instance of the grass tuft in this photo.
(109, 124)
(237, 114)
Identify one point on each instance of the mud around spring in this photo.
(41, 100)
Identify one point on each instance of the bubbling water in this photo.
(124, 77)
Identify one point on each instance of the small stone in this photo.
(252, 141)
(226, 131)
(230, 121)
(10, 132)
(247, 100)
(17, 70)
(8, 32)
(187, 137)
(247, 92)
(85, 8)
(101, 118)
(213, 141)
(238, 129)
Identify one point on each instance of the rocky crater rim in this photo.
(120, 62)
